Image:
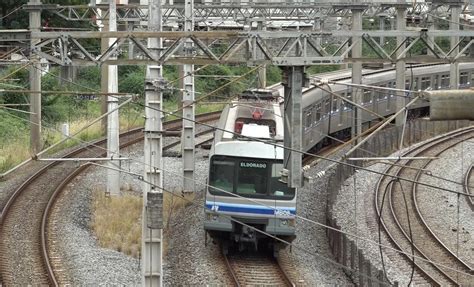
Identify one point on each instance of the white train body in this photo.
(273, 209)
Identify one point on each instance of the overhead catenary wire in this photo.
(329, 227)
(319, 157)
(312, 154)
(140, 177)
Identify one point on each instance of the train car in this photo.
(244, 170)
(244, 174)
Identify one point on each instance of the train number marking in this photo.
(285, 213)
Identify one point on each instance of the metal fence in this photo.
(344, 248)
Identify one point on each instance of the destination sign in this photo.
(253, 164)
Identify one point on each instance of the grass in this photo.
(116, 220)
(16, 149)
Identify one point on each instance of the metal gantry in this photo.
(187, 137)
(280, 44)
(152, 220)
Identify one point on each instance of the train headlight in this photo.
(210, 217)
(288, 222)
(291, 222)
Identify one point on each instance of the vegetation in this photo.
(116, 220)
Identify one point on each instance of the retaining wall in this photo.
(387, 141)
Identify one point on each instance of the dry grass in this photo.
(14, 152)
(117, 220)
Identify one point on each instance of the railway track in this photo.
(255, 269)
(397, 204)
(468, 182)
(26, 256)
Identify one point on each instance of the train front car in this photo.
(246, 199)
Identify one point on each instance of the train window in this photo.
(221, 175)
(472, 79)
(367, 97)
(252, 178)
(382, 94)
(335, 108)
(463, 79)
(278, 188)
(308, 118)
(347, 105)
(327, 104)
(425, 83)
(444, 81)
(318, 112)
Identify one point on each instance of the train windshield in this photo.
(248, 177)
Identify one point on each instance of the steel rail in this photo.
(281, 274)
(469, 174)
(170, 125)
(431, 144)
(463, 264)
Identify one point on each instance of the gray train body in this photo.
(253, 194)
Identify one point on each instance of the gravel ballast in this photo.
(439, 209)
(187, 260)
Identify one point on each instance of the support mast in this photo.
(152, 221)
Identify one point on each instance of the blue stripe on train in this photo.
(247, 209)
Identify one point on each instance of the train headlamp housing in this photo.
(290, 222)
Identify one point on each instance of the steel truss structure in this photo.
(242, 11)
(314, 45)
(282, 48)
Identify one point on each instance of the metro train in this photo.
(244, 183)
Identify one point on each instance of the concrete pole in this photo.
(152, 220)
(35, 81)
(454, 25)
(293, 129)
(188, 104)
(113, 176)
(400, 66)
(104, 73)
(262, 71)
(431, 27)
(382, 27)
(317, 26)
(357, 70)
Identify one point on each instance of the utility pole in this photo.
(152, 219)
(400, 65)
(454, 26)
(104, 72)
(113, 176)
(357, 68)
(35, 79)
(292, 81)
(262, 71)
(188, 105)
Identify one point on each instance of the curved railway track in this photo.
(397, 205)
(468, 182)
(256, 269)
(25, 257)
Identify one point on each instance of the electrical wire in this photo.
(412, 243)
(270, 207)
(11, 12)
(308, 153)
(380, 230)
(329, 227)
(320, 158)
